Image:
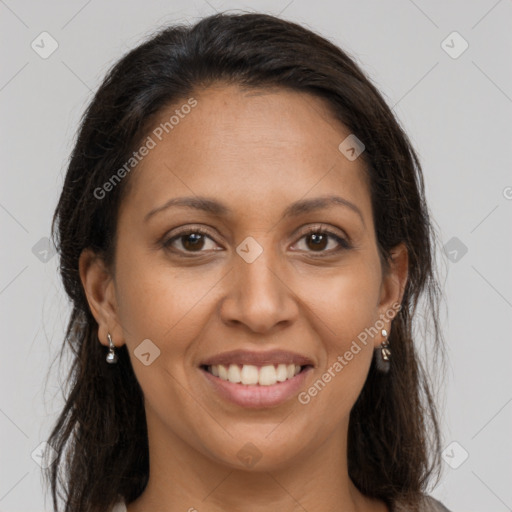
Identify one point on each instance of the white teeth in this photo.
(251, 375)
(281, 373)
(234, 373)
(223, 373)
(268, 376)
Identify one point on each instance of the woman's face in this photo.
(258, 169)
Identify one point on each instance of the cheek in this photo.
(168, 306)
(346, 300)
(345, 308)
(159, 302)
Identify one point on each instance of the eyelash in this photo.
(319, 230)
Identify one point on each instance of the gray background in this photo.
(456, 111)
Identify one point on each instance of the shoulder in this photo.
(427, 504)
(119, 507)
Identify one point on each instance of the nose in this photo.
(259, 296)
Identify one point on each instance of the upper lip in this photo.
(257, 358)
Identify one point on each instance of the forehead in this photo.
(251, 147)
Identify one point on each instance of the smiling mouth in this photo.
(252, 375)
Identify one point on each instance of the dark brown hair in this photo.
(100, 436)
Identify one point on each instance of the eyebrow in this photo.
(218, 209)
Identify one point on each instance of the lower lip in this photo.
(256, 396)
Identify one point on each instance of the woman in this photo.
(244, 236)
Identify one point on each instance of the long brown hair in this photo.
(101, 437)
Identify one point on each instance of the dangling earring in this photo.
(111, 356)
(383, 354)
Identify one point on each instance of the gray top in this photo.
(429, 504)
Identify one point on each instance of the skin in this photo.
(255, 151)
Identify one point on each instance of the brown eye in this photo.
(192, 241)
(323, 242)
(318, 241)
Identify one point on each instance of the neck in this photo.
(184, 479)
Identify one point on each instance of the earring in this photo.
(111, 356)
(383, 354)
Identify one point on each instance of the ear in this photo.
(393, 286)
(99, 287)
